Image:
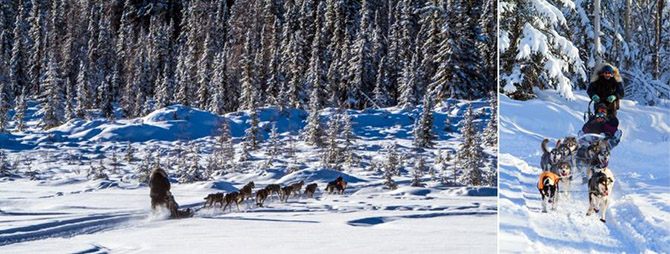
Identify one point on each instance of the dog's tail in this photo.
(544, 145)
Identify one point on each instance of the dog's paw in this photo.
(589, 213)
(603, 220)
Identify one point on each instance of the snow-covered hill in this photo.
(62, 211)
(638, 217)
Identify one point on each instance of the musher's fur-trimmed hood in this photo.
(616, 75)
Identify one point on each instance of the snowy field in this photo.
(49, 206)
(638, 217)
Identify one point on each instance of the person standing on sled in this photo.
(606, 87)
(160, 194)
(602, 122)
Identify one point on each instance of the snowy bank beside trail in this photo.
(638, 217)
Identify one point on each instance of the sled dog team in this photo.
(283, 193)
(558, 165)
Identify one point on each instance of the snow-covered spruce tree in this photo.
(4, 99)
(225, 140)
(130, 157)
(115, 162)
(20, 109)
(391, 167)
(470, 154)
(437, 164)
(244, 152)
(194, 173)
(97, 173)
(52, 107)
(313, 131)
(407, 84)
(533, 50)
(274, 143)
(164, 87)
(252, 135)
(37, 46)
(4, 165)
(361, 65)
(332, 154)
(492, 173)
(186, 62)
(424, 134)
(490, 135)
(350, 158)
(488, 23)
(218, 84)
(428, 41)
(296, 62)
(145, 168)
(393, 159)
(205, 69)
(18, 72)
(69, 97)
(446, 165)
(316, 72)
(475, 175)
(447, 120)
(418, 172)
(212, 168)
(83, 92)
(249, 82)
(381, 91)
(274, 78)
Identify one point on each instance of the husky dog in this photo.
(331, 186)
(568, 148)
(571, 143)
(602, 161)
(338, 186)
(274, 188)
(230, 198)
(550, 159)
(341, 187)
(587, 157)
(310, 189)
(564, 173)
(245, 192)
(261, 195)
(600, 188)
(286, 193)
(548, 187)
(297, 187)
(213, 198)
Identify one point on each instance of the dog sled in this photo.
(585, 140)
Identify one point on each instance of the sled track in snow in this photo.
(638, 232)
(67, 228)
(625, 223)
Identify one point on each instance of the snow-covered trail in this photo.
(364, 220)
(638, 217)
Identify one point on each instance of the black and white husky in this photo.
(600, 188)
(550, 159)
(548, 187)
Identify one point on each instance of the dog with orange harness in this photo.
(548, 187)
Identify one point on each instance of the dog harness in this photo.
(545, 174)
